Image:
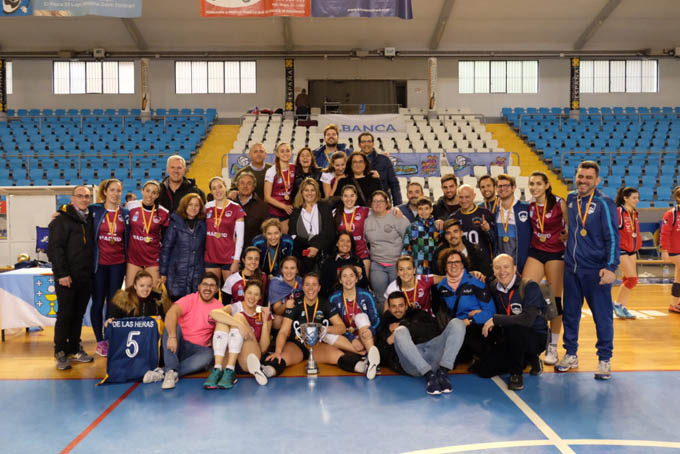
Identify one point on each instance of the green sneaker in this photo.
(228, 379)
(213, 378)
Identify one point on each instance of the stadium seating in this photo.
(634, 146)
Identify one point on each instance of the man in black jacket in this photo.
(175, 186)
(409, 342)
(257, 211)
(383, 165)
(69, 249)
(453, 238)
(519, 326)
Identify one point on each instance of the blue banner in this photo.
(238, 161)
(416, 164)
(362, 8)
(16, 8)
(111, 8)
(463, 163)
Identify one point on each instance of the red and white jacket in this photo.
(670, 231)
(629, 230)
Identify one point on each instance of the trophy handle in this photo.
(324, 329)
(296, 329)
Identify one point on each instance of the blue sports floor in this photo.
(635, 412)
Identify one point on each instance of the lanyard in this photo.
(147, 227)
(578, 208)
(272, 261)
(541, 218)
(112, 224)
(316, 305)
(349, 225)
(495, 204)
(350, 315)
(218, 219)
(506, 222)
(507, 307)
(415, 293)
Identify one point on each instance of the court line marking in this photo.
(533, 417)
(99, 419)
(645, 443)
(529, 443)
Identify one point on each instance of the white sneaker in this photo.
(255, 368)
(604, 370)
(153, 376)
(373, 362)
(550, 355)
(170, 380)
(566, 363)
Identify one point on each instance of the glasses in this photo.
(208, 285)
(82, 196)
(365, 141)
(379, 201)
(504, 186)
(455, 262)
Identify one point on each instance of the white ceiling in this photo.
(474, 25)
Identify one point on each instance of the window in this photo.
(215, 77)
(95, 77)
(498, 76)
(8, 75)
(619, 76)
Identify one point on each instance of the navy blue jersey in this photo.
(133, 348)
(270, 258)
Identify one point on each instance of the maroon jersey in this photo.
(255, 320)
(235, 286)
(220, 243)
(144, 243)
(353, 223)
(418, 296)
(110, 239)
(553, 225)
(282, 187)
(629, 230)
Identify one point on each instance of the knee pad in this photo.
(675, 289)
(219, 342)
(630, 282)
(347, 361)
(279, 366)
(235, 341)
(361, 320)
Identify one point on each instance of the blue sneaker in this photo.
(444, 382)
(620, 310)
(213, 378)
(228, 379)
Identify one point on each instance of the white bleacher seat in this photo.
(476, 144)
(462, 143)
(445, 170)
(433, 182)
(522, 182)
(479, 171)
(420, 180)
(479, 198)
(493, 143)
(437, 192)
(494, 171)
(468, 179)
(518, 193)
(514, 171)
(485, 136)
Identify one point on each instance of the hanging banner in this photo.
(432, 85)
(16, 8)
(575, 84)
(362, 8)
(416, 164)
(463, 163)
(66, 8)
(255, 8)
(290, 84)
(3, 85)
(238, 161)
(145, 75)
(352, 125)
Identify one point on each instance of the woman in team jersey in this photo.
(351, 218)
(224, 231)
(670, 246)
(112, 228)
(309, 308)
(278, 185)
(332, 174)
(630, 242)
(147, 220)
(234, 286)
(416, 287)
(274, 245)
(243, 329)
(357, 308)
(546, 251)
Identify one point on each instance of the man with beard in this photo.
(448, 203)
(414, 191)
(454, 238)
(487, 186)
(513, 225)
(478, 223)
(331, 135)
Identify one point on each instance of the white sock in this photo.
(554, 338)
(218, 366)
(219, 341)
(360, 367)
(231, 367)
(235, 341)
(268, 371)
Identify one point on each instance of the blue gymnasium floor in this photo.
(635, 412)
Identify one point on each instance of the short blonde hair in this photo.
(299, 201)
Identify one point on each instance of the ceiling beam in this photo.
(136, 36)
(442, 20)
(596, 23)
(287, 33)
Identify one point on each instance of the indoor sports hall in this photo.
(94, 91)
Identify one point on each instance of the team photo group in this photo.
(326, 237)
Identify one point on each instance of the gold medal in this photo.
(583, 218)
(218, 235)
(584, 232)
(634, 235)
(112, 240)
(542, 238)
(147, 239)
(286, 197)
(506, 239)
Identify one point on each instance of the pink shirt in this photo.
(195, 322)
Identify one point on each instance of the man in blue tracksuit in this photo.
(331, 135)
(513, 223)
(590, 262)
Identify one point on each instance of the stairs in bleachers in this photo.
(528, 160)
(208, 161)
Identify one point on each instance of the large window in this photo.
(193, 77)
(619, 76)
(96, 77)
(498, 76)
(8, 75)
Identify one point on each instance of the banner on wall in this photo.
(362, 8)
(66, 8)
(255, 8)
(290, 84)
(385, 125)
(16, 8)
(463, 163)
(416, 164)
(238, 161)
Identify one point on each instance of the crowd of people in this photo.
(323, 236)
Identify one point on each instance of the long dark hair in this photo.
(623, 193)
(340, 210)
(352, 250)
(257, 274)
(550, 199)
(298, 167)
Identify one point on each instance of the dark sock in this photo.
(347, 361)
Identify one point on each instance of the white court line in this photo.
(645, 443)
(655, 313)
(641, 315)
(533, 417)
(528, 443)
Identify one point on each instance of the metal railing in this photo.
(122, 118)
(611, 156)
(131, 159)
(566, 117)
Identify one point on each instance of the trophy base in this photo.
(312, 372)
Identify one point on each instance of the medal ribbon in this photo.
(286, 181)
(272, 261)
(147, 227)
(631, 215)
(506, 222)
(541, 218)
(350, 315)
(578, 208)
(415, 292)
(507, 308)
(218, 218)
(350, 224)
(112, 224)
(316, 305)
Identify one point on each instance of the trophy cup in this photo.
(311, 334)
